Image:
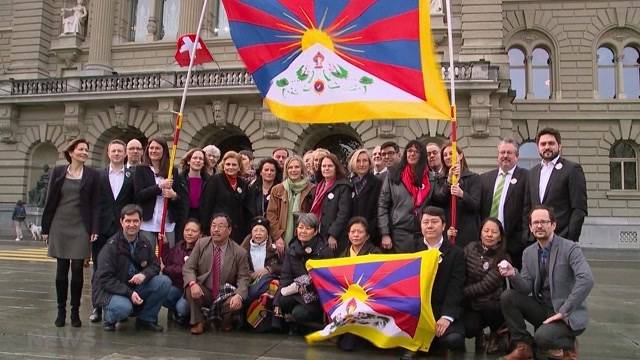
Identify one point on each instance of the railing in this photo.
(215, 79)
(462, 71)
(121, 82)
(38, 86)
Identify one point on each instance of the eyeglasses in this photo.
(541, 222)
(218, 227)
(387, 153)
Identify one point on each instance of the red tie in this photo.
(215, 272)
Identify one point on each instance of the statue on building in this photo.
(38, 194)
(436, 6)
(72, 18)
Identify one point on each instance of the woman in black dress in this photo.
(366, 191)
(70, 224)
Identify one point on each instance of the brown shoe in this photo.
(198, 328)
(522, 351)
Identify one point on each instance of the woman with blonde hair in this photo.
(366, 191)
(226, 192)
(294, 195)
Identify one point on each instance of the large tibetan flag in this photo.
(328, 61)
(385, 299)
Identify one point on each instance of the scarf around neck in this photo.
(294, 191)
(321, 192)
(418, 194)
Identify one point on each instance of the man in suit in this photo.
(116, 191)
(446, 294)
(215, 263)
(504, 196)
(134, 153)
(559, 184)
(434, 160)
(550, 292)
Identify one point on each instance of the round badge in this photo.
(331, 196)
(353, 194)
(558, 166)
(440, 259)
(514, 181)
(127, 174)
(143, 264)
(239, 190)
(308, 250)
(268, 197)
(485, 265)
(186, 258)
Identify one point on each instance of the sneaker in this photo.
(96, 315)
(107, 326)
(17, 239)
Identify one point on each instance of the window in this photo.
(140, 12)
(623, 169)
(222, 22)
(540, 64)
(631, 72)
(529, 156)
(606, 73)
(170, 19)
(517, 72)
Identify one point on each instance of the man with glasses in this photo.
(550, 292)
(434, 160)
(390, 152)
(134, 153)
(216, 275)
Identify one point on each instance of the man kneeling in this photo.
(216, 275)
(128, 276)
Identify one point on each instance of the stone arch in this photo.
(99, 148)
(109, 123)
(619, 130)
(607, 19)
(427, 129)
(35, 135)
(314, 136)
(615, 38)
(525, 131)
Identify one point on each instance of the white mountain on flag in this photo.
(319, 76)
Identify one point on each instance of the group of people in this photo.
(236, 239)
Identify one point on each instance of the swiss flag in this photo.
(185, 47)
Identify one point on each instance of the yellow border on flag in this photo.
(425, 330)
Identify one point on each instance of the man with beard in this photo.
(559, 184)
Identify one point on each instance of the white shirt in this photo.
(153, 225)
(505, 188)
(116, 179)
(379, 172)
(258, 254)
(545, 175)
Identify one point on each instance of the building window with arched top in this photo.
(222, 22)
(541, 71)
(623, 166)
(529, 156)
(631, 72)
(517, 72)
(606, 73)
(170, 19)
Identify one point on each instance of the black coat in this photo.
(516, 207)
(336, 212)
(219, 197)
(255, 200)
(112, 276)
(468, 207)
(109, 207)
(146, 191)
(367, 248)
(447, 291)
(365, 204)
(566, 194)
(89, 197)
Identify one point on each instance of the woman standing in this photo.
(194, 175)
(366, 188)
(405, 191)
(269, 174)
(468, 193)
(484, 285)
(70, 224)
(226, 192)
(332, 203)
(151, 187)
(249, 173)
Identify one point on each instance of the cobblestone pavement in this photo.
(27, 311)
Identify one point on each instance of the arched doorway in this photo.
(340, 140)
(126, 134)
(229, 138)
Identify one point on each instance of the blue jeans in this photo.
(175, 301)
(153, 292)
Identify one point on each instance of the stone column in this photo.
(189, 16)
(620, 77)
(100, 40)
(528, 66)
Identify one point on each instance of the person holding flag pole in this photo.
(198, 54)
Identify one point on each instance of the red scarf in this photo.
(318, 199)
(233, 181)
(418, 194)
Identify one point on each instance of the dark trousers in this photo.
(302, 313)
(476, 320)
(452, 339)
(517, 308)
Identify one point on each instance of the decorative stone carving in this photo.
(8, 115)
(436, 7)
(73, 18)
(122, 115)
(165, 116)
(219, 108)
(73, 112)
(271, 125)
(480, 106)
(386, 129)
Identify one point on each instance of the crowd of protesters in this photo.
(237, 236)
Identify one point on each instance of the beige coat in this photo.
(278, 209)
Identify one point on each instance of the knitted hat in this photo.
(260, 220)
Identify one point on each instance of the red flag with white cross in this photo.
(184, 48)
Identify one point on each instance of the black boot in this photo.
(75, 317)
(62, 286)
(76, 294)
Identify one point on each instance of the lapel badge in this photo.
(439, 258)
(353, 194)
(513, 181)
(331, 196)
(558, 166)
(239, 190)
(485, 266)
(186, 258)
(308, 250)
(268, 197)
(127, 173)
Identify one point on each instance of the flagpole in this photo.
(454, 123)
(176, 134)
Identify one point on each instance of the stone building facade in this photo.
(520, 65)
